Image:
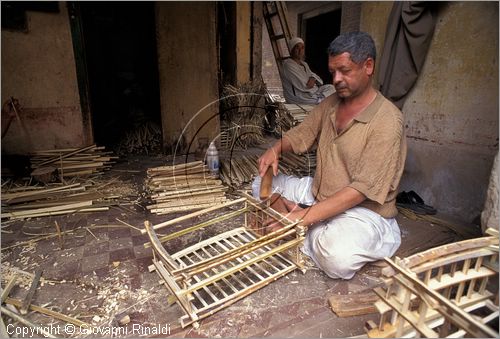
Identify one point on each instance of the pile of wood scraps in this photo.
(183, 187)
(56, 199)
(299, 112)
(72, 162)
(241, 168)
(17, 309)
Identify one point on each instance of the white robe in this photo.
(295, 78)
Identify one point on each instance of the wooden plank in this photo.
(353, 304)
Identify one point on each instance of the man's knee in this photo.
(340, 265)
(337, 256)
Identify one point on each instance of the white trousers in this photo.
(343, 244)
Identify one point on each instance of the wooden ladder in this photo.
(275, 15)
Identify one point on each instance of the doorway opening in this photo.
(122, 67)
(320, 31)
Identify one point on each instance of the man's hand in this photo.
(290, 210)
(311, 82)
(269, 158)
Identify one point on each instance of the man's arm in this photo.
(297, 76)
(341, 201)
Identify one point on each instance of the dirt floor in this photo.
(99, 274)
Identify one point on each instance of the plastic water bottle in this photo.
(213, 159)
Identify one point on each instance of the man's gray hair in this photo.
(359, 45)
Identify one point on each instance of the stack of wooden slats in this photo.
(183, 187)
(299, 112)
(73, 162)
(241, 168)
(56, 199)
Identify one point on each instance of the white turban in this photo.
(293, 41)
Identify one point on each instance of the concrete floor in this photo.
(101, 274)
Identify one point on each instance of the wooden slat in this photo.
(195, 214)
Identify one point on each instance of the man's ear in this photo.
(370, 66)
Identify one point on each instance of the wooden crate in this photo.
(441, 292)
(214, 273)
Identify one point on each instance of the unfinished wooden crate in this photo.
(441, 292)
(216, 272)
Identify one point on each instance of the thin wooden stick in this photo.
(8, 287)
(194, 214)
(3, 329)
(31, 292)
(58, 229)
(127, 224)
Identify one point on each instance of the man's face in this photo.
(350, 79)
(298, 51)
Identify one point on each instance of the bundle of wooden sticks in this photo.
(183, 187)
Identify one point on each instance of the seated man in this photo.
(300, 84)
(361, 151)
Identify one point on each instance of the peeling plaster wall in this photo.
(451, 115)
(38, 68)
(187, 63)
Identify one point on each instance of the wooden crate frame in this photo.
(441, 292)
(215, 273)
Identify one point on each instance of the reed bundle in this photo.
(243, 115)
(242, 168)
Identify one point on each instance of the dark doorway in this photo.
(320, 31)
(120, 52)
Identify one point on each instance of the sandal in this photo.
(418, 201)
(404, 201)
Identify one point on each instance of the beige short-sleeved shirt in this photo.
(368, 155)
